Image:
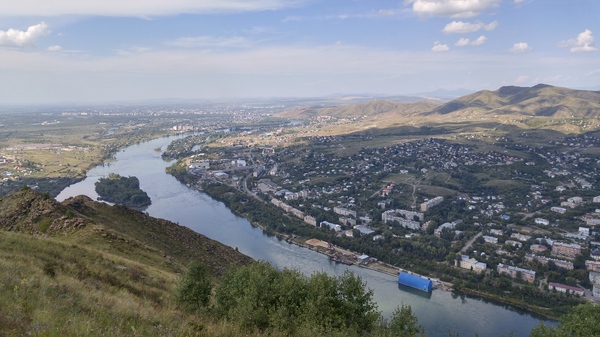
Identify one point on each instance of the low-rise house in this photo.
(513, 243)
(471, 264)
(427, 205)
(496, 232)
(594, 277)
(365, 219)
(344, 211)
(390, 217)
(595, 254)
(566, 249)
(559, 210)
(348, 221)
(538, 248)
(364, 230)
(438, 231)
(544, 260)
(520, 237)
(540, 221)
(515, 272)
(490, 239)
(332, 226)
(310, 220)
(592, 265)
(596, 290)
(566, 289)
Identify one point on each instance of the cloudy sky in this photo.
(112, 50)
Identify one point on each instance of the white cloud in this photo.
(480, 40)
(438, 47)
(453, 8)
(520, 47)
(521, 79)
(462, 42)
(374, 14)
(54, 48)
(290, 70)
(491, 26)
(583, 43)
(459, 27)
(20, 38)
(211, 42)
(518, 1)
(137, 8)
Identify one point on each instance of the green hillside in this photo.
(541, 100)
(84, 268)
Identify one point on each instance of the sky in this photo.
(91, 51)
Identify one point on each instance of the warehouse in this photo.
(415, 281)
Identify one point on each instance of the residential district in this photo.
(507, 209)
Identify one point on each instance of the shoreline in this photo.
(339, 255)
(440, 285)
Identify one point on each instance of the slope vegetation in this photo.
(84, 268)
(540, 100)
(373, 108)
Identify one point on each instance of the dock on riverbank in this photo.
(347, 257)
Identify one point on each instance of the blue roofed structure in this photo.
(415, 281)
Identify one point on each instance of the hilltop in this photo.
(541, 100)
(90, 268)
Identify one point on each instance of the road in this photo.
(470, 243)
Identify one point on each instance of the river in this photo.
(439, 312)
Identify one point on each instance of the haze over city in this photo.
(106, 51)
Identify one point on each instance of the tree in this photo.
(404, 323)
(581, 321)
(195, 287)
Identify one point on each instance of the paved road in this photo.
(470, 243)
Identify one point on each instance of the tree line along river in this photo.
(439, 311)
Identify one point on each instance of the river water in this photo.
(439, 311)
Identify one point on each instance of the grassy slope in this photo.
(86, 268)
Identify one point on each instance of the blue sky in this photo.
(114, 50)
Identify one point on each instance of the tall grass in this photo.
(52, 288)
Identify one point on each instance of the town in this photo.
(498, 211)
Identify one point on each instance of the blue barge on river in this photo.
(415, 281)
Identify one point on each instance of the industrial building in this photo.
(415, 281)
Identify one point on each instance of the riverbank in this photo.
(543, 312)
(246, 208)
(438, 311)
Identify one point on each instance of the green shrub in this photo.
(195, 287)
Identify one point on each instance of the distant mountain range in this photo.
(372, 108)
(540, 100)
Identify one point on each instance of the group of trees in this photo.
(260, 297)
(122, 190)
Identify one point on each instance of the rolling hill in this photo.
(541, 100)
(372, 108)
